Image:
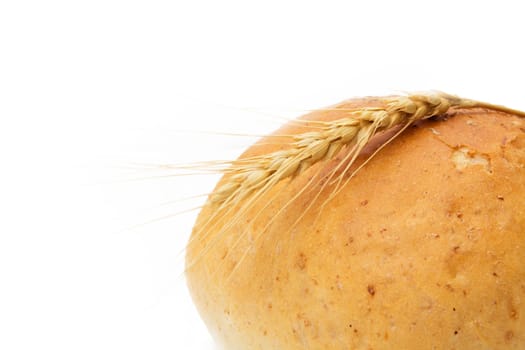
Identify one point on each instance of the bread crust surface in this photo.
(424, 248)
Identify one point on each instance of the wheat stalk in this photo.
(254, 174)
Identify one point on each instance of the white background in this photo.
(94, 95)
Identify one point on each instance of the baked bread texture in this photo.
(422, 248)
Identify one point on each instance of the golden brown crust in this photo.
(423, 249)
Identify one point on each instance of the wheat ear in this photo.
(253, 174)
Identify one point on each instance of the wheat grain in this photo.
(253, 174)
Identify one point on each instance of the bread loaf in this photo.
(421, 246)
